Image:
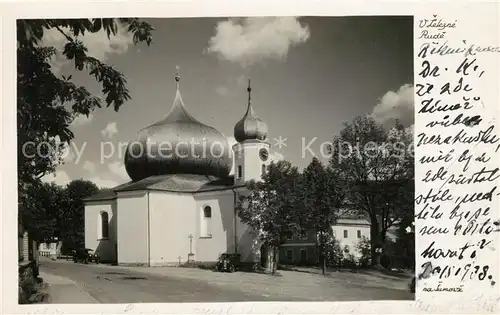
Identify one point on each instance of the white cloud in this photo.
(82, 120)
(396, 105)
(247, 41)
(110, 130)
(59, 177)
(103, 183)
(117, 168)
(98, 44)
(222, 90)
(69, 152)
(276, 156)
(89, 166)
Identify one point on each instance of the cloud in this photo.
(117, 168)
(89, 166)
(82, 120)
(396, 105)
(110, 130)
(59, 177)
(222, 90)
(69, 152)
(246, 41)
(98, 45)
(103, 183)
(242, 80)
(276, 156)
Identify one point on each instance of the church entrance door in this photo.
(264, 255)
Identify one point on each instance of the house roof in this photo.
(183, 183)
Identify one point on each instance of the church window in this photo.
(263, 169)
(239, 171)
(205, 222)
(104, 225)
(207, 212)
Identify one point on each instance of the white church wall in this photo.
(105, 247)
(247, 241)
(172, 217)
(133, 228)
(217, 236)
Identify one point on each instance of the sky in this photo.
(308, 75)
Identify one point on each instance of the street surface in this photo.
(113, 284)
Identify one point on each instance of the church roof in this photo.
(183, 183)
(178, 144)
(250, 127)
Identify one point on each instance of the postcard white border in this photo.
(64, 9)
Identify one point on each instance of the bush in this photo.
(333, 253)
(348, 259)
(28, 284)
(364, 248)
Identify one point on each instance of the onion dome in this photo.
(178, 144)
(250, 127)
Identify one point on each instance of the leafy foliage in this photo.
(376, 169)
(49, 210)
(364, 248)
(321, 199)
(72, 215)
(270, 206)
(333, 252)
(46, 103)
(46, 106)
(39, 210)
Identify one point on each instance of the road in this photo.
(109, 284)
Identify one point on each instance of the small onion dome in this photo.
(250, 127)
(178, 144)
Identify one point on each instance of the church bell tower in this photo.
(251, 152)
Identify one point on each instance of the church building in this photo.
(180, 203)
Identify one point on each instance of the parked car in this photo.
(228, 263)
(85, 255)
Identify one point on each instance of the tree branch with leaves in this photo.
(270, 205)
(376, 169)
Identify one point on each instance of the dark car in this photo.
(228, 263)
(85, 255)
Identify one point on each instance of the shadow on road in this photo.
(112, 273)
(134, 278)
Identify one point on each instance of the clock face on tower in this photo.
(263, 154)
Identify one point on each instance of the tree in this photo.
(364, 249)
(333, 252)
(375, 166)
(321, 199)
(72, 216)
(39, 210)
(269, 207)
(47, 103)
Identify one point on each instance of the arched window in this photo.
(207, 212)
(205, 221)
(239, 171)
(263, 171)
(104, 225)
